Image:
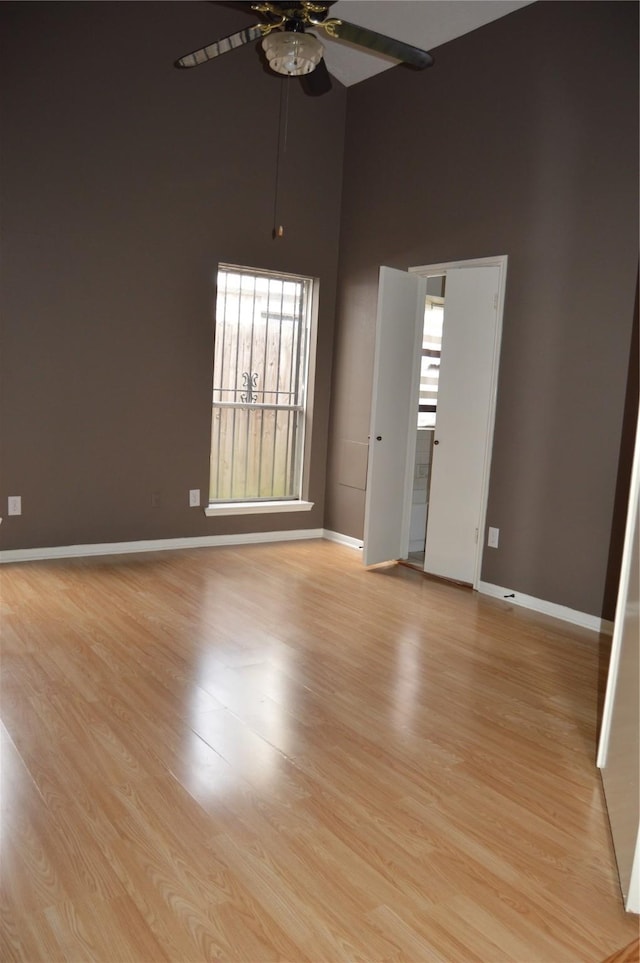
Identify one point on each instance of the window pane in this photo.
(253, 453)
(260, 341)
(430, 364)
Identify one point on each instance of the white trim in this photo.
(256, 508)
(500, 261)
(434, 270)
(302, 467)
(154, 545)
(343, 539)
(546, 608)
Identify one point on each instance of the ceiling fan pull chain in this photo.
(283, 130)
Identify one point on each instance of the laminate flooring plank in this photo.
(269, 754)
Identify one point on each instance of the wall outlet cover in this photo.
(194, 497)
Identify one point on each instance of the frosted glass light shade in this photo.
(292, 53)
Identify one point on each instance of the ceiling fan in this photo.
(291, 48)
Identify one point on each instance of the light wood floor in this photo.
(269, 753)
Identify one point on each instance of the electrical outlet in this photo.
(494, 534)
(14, 505)
(194, 497)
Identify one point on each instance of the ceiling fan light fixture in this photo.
(291, 52)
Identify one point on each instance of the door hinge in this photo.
(495, 301)
(476, 537)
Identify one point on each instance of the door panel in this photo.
(465, 395)
(393, 409)
(619, 751)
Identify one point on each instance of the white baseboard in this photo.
(154, 545)
(547, 608)
(342, 539)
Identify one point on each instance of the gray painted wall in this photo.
(521, 140)
(124, 183)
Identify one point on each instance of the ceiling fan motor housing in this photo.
(291, 51)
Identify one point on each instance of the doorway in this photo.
(461, 452)
(430, 355)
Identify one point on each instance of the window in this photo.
(430, 362)
(262, 348)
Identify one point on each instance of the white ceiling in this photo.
(422, 23)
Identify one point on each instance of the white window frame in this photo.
(301, 503)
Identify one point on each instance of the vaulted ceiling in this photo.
(423, 23)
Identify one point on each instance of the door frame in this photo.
(435, 270)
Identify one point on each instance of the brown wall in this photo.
(124, 183)
(521, 140)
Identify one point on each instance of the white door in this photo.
(619, 749)
(394, 406)
(464, 423)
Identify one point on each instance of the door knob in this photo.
(378, 437)
(436, 442)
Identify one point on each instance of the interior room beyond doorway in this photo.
(426, 416)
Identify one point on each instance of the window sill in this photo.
(256, 508)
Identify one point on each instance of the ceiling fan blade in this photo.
(363, 37)
(212, 50)
(318, 82)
